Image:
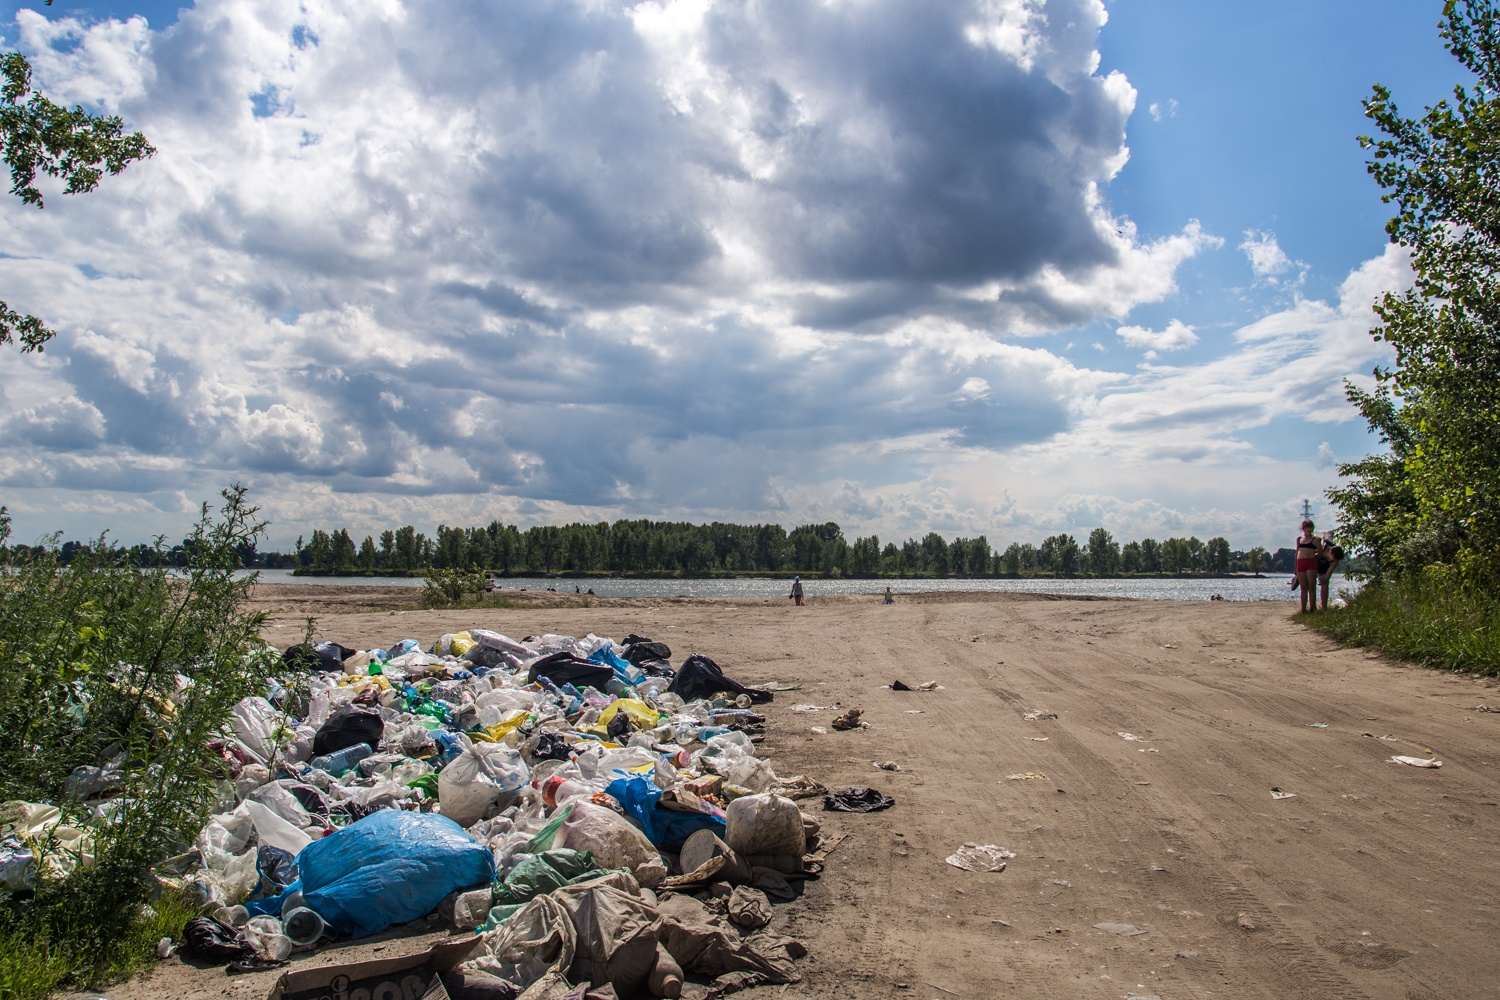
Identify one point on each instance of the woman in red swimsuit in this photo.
(1306, 570)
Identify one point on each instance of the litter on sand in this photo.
(1038, 739)
(980, 858)
(1388, 739)
(886, 765)
(1123, 930)
(862, 800)
(1277, 793)
(850, 720)
(1038, 715)
(1130, 737)
(1416, 761)
(1317, 725)
(534, 790)
(1027, 776)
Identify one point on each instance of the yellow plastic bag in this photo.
(641, 715)
(498, 732)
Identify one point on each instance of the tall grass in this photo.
(1434, 618)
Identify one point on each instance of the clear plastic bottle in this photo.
(341, 761)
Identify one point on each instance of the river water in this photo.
(1233, 588)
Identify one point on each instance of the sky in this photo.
(999, 267)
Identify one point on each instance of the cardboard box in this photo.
(410, 977)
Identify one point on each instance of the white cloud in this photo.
(1268, 262)
(1175, 337)
(401, 262)
(1161, 112)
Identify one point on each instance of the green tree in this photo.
(1216, 555)
(1150, 556)
(1130, 557)
(367, 554)
(1104, 553)
(73, 146)
(1255, 560)
(1436, 496)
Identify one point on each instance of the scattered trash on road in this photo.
(980, 858)
(857, 800)
(850, 720)
(1416, 761)
(1123, 930)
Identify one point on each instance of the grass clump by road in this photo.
(1434, 618)
(118, 675)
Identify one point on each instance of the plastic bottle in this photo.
(709, 732)
(303, 926)
(341, 761)
(559, 789)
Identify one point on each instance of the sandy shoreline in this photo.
(1375, 880)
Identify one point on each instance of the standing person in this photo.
(796, 594)
(1308, 549)
(889, 597)
(1328, 561)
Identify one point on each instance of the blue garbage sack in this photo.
(667, 828)
(388, 868)
(605, 657)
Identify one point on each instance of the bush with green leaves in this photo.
(447, 587)
(110, 663)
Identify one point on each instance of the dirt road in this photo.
(1174, 722)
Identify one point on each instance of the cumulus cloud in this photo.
(1268, 262)
(659, 257)
(1177, 336)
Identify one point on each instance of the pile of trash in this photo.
(568, 798)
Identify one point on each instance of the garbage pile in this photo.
(568, 798)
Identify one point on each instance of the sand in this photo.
(1174, 722)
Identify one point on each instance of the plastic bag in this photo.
(349, 725)
(388, 868)
(483, 775)
(254, 722)
(616, 937)
(541, 873)
(765, 824)
(272, 829)
(666, 828)
(537, 940)
(614, 842)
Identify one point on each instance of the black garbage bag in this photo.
(326, 656)
(857, 800)
(215, 940)
(639, 652)
(700, 677)
(312, 800)
(656, 668)
(552, 745)
(484, 656)
(565, 668)
(278, 869)
(347, 726)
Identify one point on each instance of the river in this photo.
(1232, 588)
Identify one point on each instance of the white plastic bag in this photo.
(765, 825)
(615, 841)
(483, 775)
(254, 722)
(273, 830)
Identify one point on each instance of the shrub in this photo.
(119, 663)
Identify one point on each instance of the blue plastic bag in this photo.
(605, 657)
(666, 828)
(388, 868)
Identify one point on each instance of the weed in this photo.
(1434, 618)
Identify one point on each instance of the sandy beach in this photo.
(1145, 805)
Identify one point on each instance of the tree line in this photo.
(678, 548)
